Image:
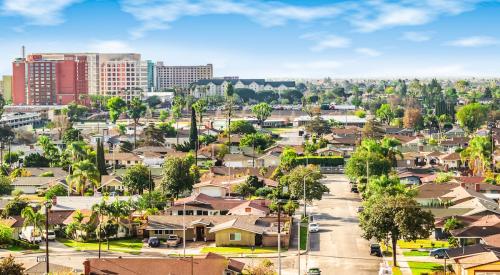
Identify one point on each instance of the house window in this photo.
(189, 212)
(199, 212)
(235, 236)
(180, 212)
(205, 213)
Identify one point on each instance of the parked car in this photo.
(439, 253)
(153, 242)
(314, 271)
(313, 227)
(50, 234)
(375, 250)
(360, 209)
(173, 241)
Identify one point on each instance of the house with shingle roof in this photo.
(481, 263)
(209, 264)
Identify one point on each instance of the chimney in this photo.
(54, 200)
(462, 184)
(477, 187)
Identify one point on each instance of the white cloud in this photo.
(416, 36)
(366, 16)
(330, 42)
(37, 12)
(110, 46)
(368, 52)
(474, 41)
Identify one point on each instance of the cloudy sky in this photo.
(258, 38)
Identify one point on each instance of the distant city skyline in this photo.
(268, 39)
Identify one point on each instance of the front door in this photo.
(200, 233)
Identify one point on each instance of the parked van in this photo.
(31, 235)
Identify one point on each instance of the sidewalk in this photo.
(401, 261)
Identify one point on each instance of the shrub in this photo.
(47, 174)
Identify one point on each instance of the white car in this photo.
(313, 227)
(51, 235)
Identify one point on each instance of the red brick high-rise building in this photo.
(50, 80)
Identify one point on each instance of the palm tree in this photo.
(477, 155)
(178, 104)
(32, 218)
(84, 173)
(136, 110)
(442, 120)
(390, 149)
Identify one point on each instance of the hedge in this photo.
(325, 161)
(24, 244)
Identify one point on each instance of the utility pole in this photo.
(47, 206)
(184, 229)
(279, 237)
(298, 245)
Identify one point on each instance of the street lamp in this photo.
(47, 205)
(279, 202)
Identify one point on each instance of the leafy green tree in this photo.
(126, 146)
(135, 110)
(50, 151)
(368, 160)
(207, 139)
(5, 185)
(85, 173)
(152, 199)
(452, 224)
(54, 191)
(76, 112)
(241, 127)
(153, 101)
(12, 157)
(262, 111)
(318, 126)
(116, 106)
(295, 182)
(290, 207)
(153, 136)
(122, 128)
(472, 116)
(167, 129)
(137, 178)
(413, 119)
(245, 189)
(288, 159)
(443, 177)
(72, 135)
(9, 266)
(259, 141)
(5, 234)
(176, 176)
(15, 206)
(36, 160)
(395, 217)
(164, 115)
(385, 113)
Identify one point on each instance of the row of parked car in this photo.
(172, 241)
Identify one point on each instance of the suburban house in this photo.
(203, 205)
(451, 161)
(228, 230)
(31, 185)
(210, 264)
(477, 203)
(250, 208)
(56, 221)
(454, 143)
(111, 183)
(487, 262)
(122, 159)
(476, 231)
(239, 160)
(268, 159)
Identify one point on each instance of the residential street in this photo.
(338, 248)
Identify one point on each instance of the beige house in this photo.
(122, 159)
(110, 183)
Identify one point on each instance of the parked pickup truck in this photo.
(173, 241)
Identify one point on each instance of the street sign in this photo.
(41, 259)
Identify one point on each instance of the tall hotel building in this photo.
(62, 78)
(168, 77)
(49, 80)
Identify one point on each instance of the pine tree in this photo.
(193, 131)
(101, 165)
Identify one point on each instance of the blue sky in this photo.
(278, 39)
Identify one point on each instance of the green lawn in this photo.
(16, 248)
(416, 253)
(418, 268)
(279, 130)
(395, 269)
(123, 245)
(422, 244)
(240, 250)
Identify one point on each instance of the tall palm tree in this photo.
(390, 149)
(477, 155)
(229, 110)
(136, 110)
(32, 218)
(84, 173)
